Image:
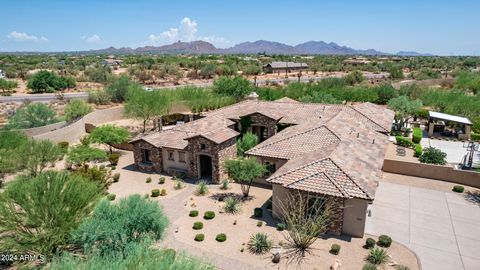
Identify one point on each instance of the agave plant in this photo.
(378, 256)
(259, 243)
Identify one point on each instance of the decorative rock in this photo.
(276, 257)
(336, 265)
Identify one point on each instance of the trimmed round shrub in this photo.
(258, 212)
(209, 215)
(259, 243)
(197, 225)
(369, 266)
(193, 213)
(116, 177)
(178, 184)
(259, 224)
(148, 180)
(155, 192)
(161, 180)
(458, 188)
(281, 226)
(370, 243)
(199, 237)
(111, 197)
(221, 237)
(335, 249)
(384, 241)
(163, 192)
(113, 159)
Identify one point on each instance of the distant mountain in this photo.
(259, 46)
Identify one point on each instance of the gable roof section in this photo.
(218, 135)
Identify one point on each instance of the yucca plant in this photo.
(378, 256)
(225, 185)
(259, 243)
(178, 184)
(232, 205)
(202, 188)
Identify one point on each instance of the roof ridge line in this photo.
(356, 110)
(342, 190)
(299, 168)
(349, 177)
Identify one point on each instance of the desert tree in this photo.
(244, 171)
(81, 154)
(75, 109)
(37, 155)
(247, 142)
(404, 109)
(109, 135)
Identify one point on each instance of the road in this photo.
(84, 95)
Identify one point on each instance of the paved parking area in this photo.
(442, 228)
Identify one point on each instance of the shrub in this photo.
(377, 256)
(259, 243)
(335, 249)
(98, 97)
(202, 188)
(225, 185)
(370, 243)
(98, 174)
(221, 237)
(197, 225)
(75, 109)
(281, 226)
(33, 115)
(432, 155)
(232, 205)
(384, 241)
(161, 180)
(260, 224)
(178, 184)
(155, 192)
(199, 237)
(113, 159)
(258, 212)
(404, 141)
(111, 197)
(63, 145)
(458, 188)
(401, 267)
(417, 135)
(209, 215)
(475, 136)
(116, 177)
(163, 192)
(148, 180)
(418, 150)
(369, 266)
(193, 213)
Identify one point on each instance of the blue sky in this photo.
(441, 27)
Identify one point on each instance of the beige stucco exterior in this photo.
(174, 164)
(354, 216)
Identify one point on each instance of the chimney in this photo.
(252, 96)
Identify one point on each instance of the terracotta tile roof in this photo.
(218, 135)
(287, 100)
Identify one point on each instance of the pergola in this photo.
(436, 123)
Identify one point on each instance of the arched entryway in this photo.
(205, 168)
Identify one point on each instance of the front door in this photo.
(205, 167)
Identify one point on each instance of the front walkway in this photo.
(440, 227)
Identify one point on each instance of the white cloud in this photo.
(219, 41)
(92, 39)
(18, 36)
(186, 31)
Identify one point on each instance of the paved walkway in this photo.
(442, 228)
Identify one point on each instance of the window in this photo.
(146, 156)
(264, 133)
(271, 168)
(203, 146)
(181, 157)
(170, 155)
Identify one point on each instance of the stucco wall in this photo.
(278, 163)
(31, 132)
(175, 164)
(444, 173)
(354, 217)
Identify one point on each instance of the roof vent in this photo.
(358, 135)
(373, 142)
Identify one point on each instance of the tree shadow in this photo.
(221, 196)
(473, 197)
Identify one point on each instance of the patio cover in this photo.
(449, 117)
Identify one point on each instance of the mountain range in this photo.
(259, 46)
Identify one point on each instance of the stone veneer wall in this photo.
(155, 157)
(218, 153)
(262, 120)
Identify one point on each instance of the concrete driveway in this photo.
(442, 228)
(455, 150)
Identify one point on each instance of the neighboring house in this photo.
(282, 67)
(356, 61)
(112, 62)
(327, 151)
(2, 74)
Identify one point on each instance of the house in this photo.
(112, 62)
(325, 150)
(282, 67)
(356, 61)
(2, 74)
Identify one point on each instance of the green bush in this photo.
(401, 267)
(260, 224)
(281, 226)
(202, 188)
(417, 135)
(163, 192)
(377, 256)
(384, 240)
(178, 184)
(370, 243)
(76, 109)
(369, 266)
(458, 188)
(259, 243)
(225, 184)
(155, 192)
(63, 145)
(418, 150)
(221, 237)
(193, 213)
(199, 237)
(475, 136)
(209, 215)
(432, 155)
(335, 249)
(116, 177)
(148, 180)
(197, 225)
(98, 97)
(111, 197)
(161, 180)
(258, 212)
(113, 159)
(33, 115)
(404, 141)
(232, 205)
